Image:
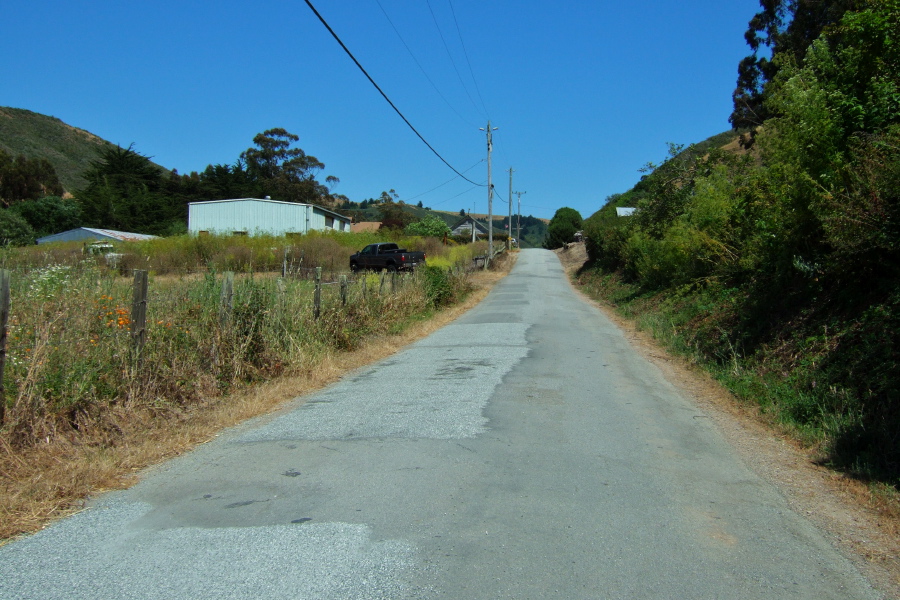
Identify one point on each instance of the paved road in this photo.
(524, 451)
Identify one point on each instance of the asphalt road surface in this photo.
(523, 451)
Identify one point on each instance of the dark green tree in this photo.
(125, 192)
(388, 197)
(785, 27)
(561, 230)
(283, 172)
(14, 230)
(50, 214)
(24, 178)
(394, 215)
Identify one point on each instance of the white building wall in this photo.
(255, 216)
(317, 220)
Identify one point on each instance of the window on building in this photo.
(329, 222)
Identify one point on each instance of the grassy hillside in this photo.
(69, 149)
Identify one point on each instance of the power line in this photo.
(456, 196)
(452, 62)
(421, 68)
(383, 95)
(471, 72)
(445, 183)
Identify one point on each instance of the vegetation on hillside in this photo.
(781, 32)
(23, 178)
(119, 188)
(126, 192)
(781, 266)
(35, 136)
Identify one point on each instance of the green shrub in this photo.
(561, 230)
(14, 230)
(438, 285)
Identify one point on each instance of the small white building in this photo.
(251, 216)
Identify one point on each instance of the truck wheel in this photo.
(391, 268)
(354, 267)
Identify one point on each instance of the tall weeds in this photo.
(73, 372)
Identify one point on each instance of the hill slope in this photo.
(69, 149)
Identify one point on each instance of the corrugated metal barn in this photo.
(250, 216)
(96, 235)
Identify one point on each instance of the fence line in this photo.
(139, 311)
(349, 290)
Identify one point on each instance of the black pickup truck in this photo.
(386, 255)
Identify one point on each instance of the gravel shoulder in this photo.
(837, 504)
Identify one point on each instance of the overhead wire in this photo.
(471, 72)
(421, 68)
(447, 48)
(383, 95)
(455, 196)
(445, 183)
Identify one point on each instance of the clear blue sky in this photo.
(584, 92)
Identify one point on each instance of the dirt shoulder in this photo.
(842, 507)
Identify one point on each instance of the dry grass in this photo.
(51, 479)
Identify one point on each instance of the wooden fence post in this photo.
(343, 290)
(381, 284)
(4, 319)
(365, 285)
(139, 311)
(226, 304)
(317, 298)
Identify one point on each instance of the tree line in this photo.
(127, 192)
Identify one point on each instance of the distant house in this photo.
(94, 235)
(624, 211)
(464, 227)
(250, 216)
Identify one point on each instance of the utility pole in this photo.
(509, 220)
(519, 219)
(490, 186)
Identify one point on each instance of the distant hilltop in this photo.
(69, 149)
